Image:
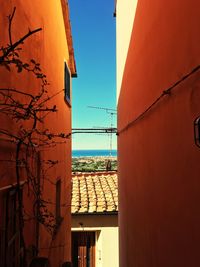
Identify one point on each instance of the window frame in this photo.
(67, 84)
(58, 201)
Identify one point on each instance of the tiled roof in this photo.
(94, 192)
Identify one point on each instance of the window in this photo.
(58, 199)
(10, 242)
(67, 84)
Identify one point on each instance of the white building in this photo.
(95, 220)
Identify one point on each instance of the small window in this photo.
(67, 84)
(58, 200)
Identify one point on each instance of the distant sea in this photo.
(93, 153)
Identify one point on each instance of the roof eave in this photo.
(95, 213)
(115, 9)
(72, 63)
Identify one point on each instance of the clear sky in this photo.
(93, 32)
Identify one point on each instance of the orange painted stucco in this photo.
(51, 47)
(158, 160)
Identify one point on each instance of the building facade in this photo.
(36, 66)
(95, 220)
(158, 84)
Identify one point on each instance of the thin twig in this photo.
(10, 18)
(17, 43)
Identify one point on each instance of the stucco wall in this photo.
(106, 229)
(158, 160)
(48, 47)
(125, 12)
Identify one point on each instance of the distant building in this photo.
(52, 48)
(158, 81)
(95, 219)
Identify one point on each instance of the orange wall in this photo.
(48, 47)
(158, 161)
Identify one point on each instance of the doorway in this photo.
(83, 249)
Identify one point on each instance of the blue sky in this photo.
(93, 32)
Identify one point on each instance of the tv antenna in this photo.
(108, 110)
(111, 112)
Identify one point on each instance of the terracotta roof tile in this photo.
(94, 192)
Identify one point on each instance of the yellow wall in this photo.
(125, 12)
(106, 229)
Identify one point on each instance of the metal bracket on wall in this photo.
(94, 130)
(197, 131)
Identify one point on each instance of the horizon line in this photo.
(93, 149)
